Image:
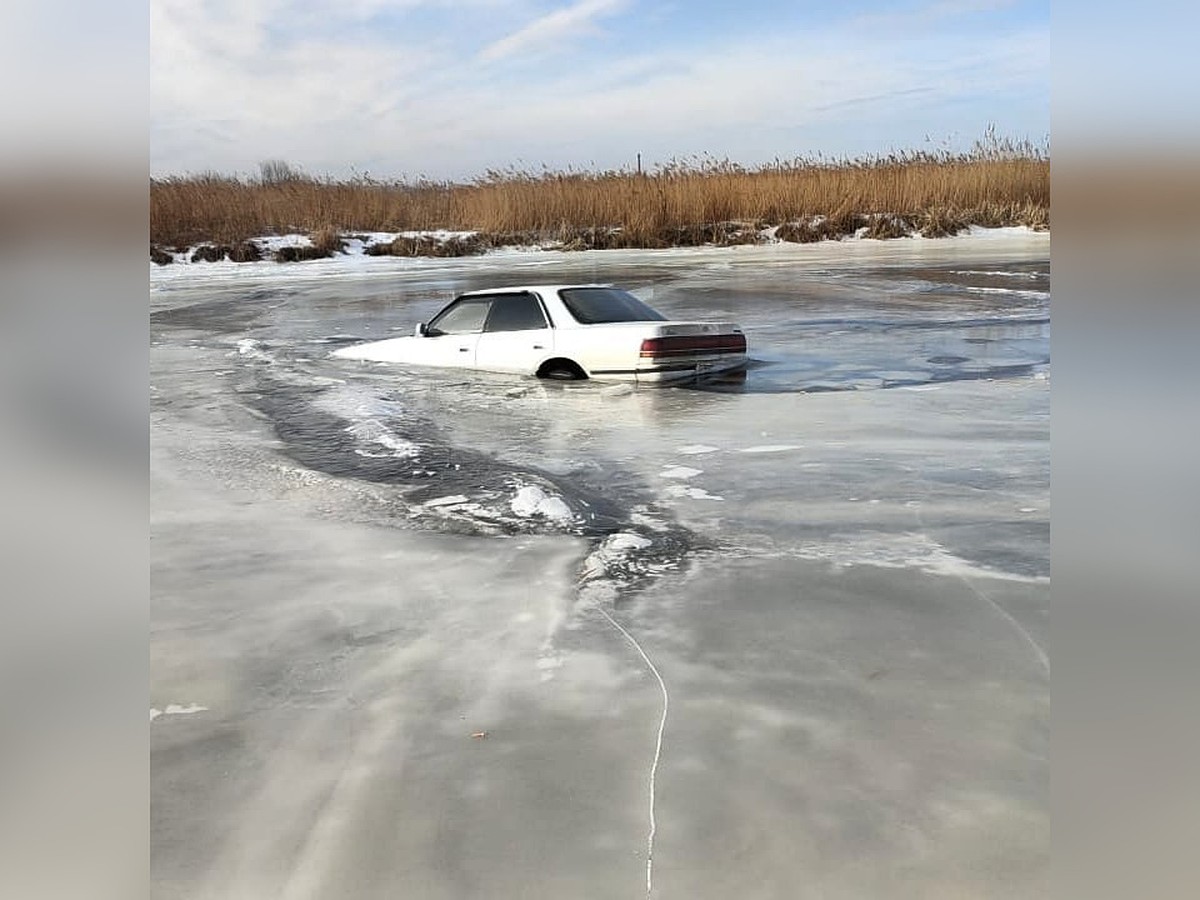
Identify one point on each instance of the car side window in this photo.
(515, 312)
(463, 317)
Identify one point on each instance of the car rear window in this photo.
(515, 312)
(596, 306)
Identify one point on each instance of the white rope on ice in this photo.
(662, 724)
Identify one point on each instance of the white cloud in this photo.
(801, 84)
(555, 27)
(237, 81)
(234, 83)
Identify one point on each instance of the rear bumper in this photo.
(675, 370)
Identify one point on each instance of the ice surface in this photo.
(681, 472)
(357, 568)
(693, 493)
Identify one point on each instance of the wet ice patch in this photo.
(355, 403)
(174, 709)
(680, 472)
(616, 390)
(901, 551)
(547, 665)
(771, 448)
(642, 516)
(371, 421)
(376, 440)
(697, 449)
(531, 501)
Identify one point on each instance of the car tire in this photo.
(561, 372)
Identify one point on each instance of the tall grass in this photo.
(996, 182)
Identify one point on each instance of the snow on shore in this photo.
(356, 262)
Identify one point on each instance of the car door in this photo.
(516, 336)
(451, 338)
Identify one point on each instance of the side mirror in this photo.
(420, 330)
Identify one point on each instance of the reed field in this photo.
(698, 201)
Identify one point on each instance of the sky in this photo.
(450, 89)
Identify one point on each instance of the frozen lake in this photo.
(432, 635)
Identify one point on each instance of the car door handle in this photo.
(538, 347)
(463, 349)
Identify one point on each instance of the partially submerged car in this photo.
(563, 332)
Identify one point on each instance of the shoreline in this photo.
(356, 261)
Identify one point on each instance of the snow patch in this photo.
(1011, 292)
(697, 449)
(252, 349)
(626, 540)
(174, 709)
(531, 501)
(772, 448)
(997, 274)
(451, 500)
(609, 557)
(692, 493)
(356, 263)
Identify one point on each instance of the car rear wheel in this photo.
(561, 370)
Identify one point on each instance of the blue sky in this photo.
(451, 88)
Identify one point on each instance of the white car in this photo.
(563, 332)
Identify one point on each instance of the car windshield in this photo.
(595, 306)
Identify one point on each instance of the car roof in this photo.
(537, 288)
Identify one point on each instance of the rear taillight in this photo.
(681, 345)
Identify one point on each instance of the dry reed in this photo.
(997, 182)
